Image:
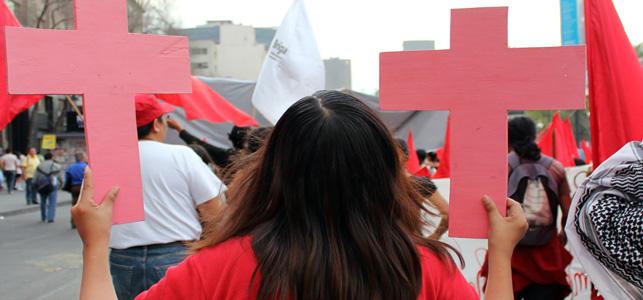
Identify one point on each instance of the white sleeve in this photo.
(202, 182)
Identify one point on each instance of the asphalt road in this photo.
(39, 260)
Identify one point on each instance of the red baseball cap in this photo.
(148, 109)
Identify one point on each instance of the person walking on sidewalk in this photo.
(29, 166)
(9, 164)
(74, 179)
(19, 178)
(48, 179)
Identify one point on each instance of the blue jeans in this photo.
(30, 191)
(48, 205)
(136, 269)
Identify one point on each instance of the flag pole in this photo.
(73, 105)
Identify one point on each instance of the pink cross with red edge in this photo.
(108, 66)
(479, 79)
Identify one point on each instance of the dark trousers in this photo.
(30, 191)
(75, 193)
(10, 178)
(136, 269)
(541, 292)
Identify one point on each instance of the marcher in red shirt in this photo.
(311, 216)
(538, 271)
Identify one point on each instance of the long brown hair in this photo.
(328, 206)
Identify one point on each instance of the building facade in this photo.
(338, 73)
(225, 49)
(419, 45)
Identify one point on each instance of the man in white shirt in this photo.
(177, 188)
(10, 164)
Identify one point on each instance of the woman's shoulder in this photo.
(227, 251)
(436, 260)
(234, 255)
(441, 277)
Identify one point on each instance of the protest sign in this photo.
(479, 79)
(108, 66)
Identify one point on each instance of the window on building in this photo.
(198, 51)
(199, 66)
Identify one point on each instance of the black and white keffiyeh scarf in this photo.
(605, 227)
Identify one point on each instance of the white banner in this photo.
(293, 67)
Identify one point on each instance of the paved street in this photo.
(38, 260)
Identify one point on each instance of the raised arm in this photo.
(443, 209)
(220, 156)
(94, 223)
(504, 234)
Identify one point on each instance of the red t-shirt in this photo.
(224, 272)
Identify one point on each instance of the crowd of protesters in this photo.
(296, 211)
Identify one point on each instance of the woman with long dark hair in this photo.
(310, 216)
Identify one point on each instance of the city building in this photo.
(338, 73)
(225, 49)
(418, 45)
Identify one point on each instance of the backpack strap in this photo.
(514, 161)
(546, 162)
(531, 170)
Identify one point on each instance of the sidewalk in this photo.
(15, 204)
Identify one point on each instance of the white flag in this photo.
(293, 67)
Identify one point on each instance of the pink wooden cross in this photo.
(109, 66)
(479, 79)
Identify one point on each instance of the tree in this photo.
(144, 16)
(152, 16)
(49, 14)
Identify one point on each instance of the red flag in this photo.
(587, 150)
(553, 142)
(10, 105)
(423, 172)
(615, 81)
(204, 103)
(546, 140)
(413, 163)
(572, 145)
(443, 154)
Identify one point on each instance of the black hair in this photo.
(317, 235)
(403, 146)
(421, 153)
(238, 136)
(522, 138)
(433, 156)
(579, 162)
(144, 130)
(8, 150)
(202, 153)
(256, 138)
(425, 186)
(48, 156)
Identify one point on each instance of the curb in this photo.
(29, 209)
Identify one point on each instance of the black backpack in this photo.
(44, 182)
(533, 187)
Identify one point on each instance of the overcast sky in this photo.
(360, 29)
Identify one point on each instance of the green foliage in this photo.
(639, 52)
(578, 118)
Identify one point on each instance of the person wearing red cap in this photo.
(177, 187)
